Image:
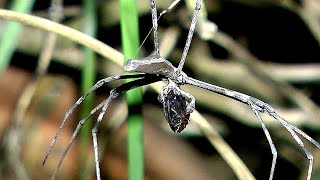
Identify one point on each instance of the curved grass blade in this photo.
(10, 34)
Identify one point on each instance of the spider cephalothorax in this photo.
(174, 100)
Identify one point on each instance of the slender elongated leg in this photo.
(296, 138)
(155, 26)
(162, 13)
(192, 103)
(190, 34)
(95, 130)
(116, 92)
(267, 108)
(80, 100)
(271, 144)
(216, 89)
(262, 107)
(292, 130)
(75, 133)
(246, 99)
(310, 139)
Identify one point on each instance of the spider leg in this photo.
(296, 138)
(310, 139)
(271, 144)
(190, 34)
(261, 106)
(161, 94)
(155, 26)
(191, 105)
(183, 79)
(162, 13)
(80, 100)
(94, 131)
(75, 133)
(114, 93)
(272, 113)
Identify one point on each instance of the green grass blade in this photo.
(130, 45)
(88, 78)
(10, 34)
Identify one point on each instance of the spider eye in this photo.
(175, 110)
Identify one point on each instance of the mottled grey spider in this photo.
(177, 104)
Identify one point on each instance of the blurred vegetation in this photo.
(267, 49)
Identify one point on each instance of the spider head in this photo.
(175, 108)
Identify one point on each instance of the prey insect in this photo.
(177, 104)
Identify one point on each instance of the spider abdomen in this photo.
(175, 110)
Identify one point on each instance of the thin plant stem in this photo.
(130, 45)
(65, 31)
(88, 77)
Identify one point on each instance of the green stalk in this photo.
(10, 34)
(88, 77)
(130, 46)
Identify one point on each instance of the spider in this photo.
(177, 104)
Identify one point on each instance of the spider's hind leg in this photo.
(74, 106)
(74, 135)
(115, 93)
(256, 109)
(77, 103)
(292, 130)
(94, 131)
(264, 107)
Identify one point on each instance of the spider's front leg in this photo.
(141, 80)
(176, 108)
(191, 105)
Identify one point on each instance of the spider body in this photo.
(177, 104)
(173, 98)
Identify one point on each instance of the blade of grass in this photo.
(130, 45)
(65, 31)
(9, 36)
(88, 77)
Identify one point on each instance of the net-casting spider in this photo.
(177, 104)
